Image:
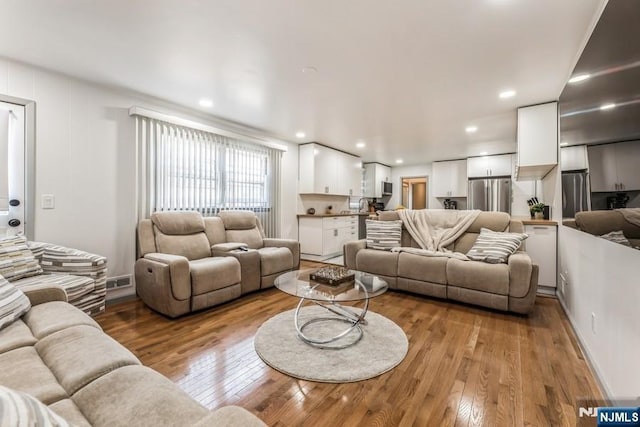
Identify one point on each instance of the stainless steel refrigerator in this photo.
(575, 193)
(490, 194)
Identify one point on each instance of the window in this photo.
(190, 169)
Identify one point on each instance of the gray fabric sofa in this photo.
(59, 355)
(509, 287)
(188, 262)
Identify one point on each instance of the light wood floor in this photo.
(465, 365)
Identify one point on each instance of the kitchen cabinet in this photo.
(613, 167)
(573, 158)
(449, 179)
(541, 247)
(482, 167)
(323, 170)
(374, 175)
(323, 237)
(537, 140)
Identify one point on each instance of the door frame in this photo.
(417, 177)
(29, 160)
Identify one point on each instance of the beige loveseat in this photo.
(188, 262)
(509, 287)
(59, 355)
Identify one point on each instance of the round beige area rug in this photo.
(382, 347)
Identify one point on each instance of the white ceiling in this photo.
(406, 77)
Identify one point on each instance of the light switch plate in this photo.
(48, 201)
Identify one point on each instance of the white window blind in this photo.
(182, 168)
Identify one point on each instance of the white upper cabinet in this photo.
(613, 167)
(374, 175)
(573, 158)
(449, 179)
(537, 140)
(489, 166)
(323, 170)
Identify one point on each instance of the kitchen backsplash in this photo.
(320, 202)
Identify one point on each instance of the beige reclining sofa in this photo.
(509, 287)
(188, 262)
(58, 355)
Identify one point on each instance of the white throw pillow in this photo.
(13, 303)
(495, 247)
(22, 410)
(383, 235)
(16, 259)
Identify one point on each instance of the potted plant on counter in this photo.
(536, 210)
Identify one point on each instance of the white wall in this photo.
(399, 172)
(85, 157)
(602, 278)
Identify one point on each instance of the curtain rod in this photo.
(144, 112)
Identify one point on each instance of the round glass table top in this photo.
(298, 284)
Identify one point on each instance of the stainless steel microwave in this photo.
(387, 188)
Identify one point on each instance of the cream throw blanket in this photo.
(435, 229)
(632, 215)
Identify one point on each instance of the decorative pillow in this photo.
(495, 247)
(16, 259)
(13, 304)
(21, 409)
(383, 235)
(617, 237)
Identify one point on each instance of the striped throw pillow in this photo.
(617, 237)
(383, 235)
(495, 247)
(16, 259)
(21, 409)
(13, 304)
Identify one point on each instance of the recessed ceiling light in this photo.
(483, 153)
(507, 94)
(300, 134)
(564, 144)
(579, 78)
(471, 129)
(399, 161)
(608, 106)
(204, 102)
(309, 70)
(361, 145)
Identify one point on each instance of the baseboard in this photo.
(547, 291)
(597, 373)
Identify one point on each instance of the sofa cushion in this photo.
(383, 235)
(50, 317)
(252, 237)
(70, 412)
(80, 354)
(29, 374)
(423, 268)
(129, 393)
(191, 246)
(495, 247)
(211, 274)
(492, 278)
(494, 221)
(21, 409)
(74, 286)
(275, 260)
(373, 261)
(16, 259)
(13, 303)
(239, 220)
(178, 222)
(16, 335)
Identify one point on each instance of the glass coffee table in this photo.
(359, 290)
